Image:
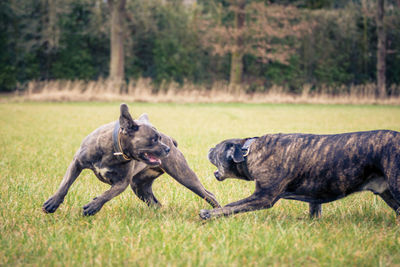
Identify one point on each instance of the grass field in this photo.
(38, 140)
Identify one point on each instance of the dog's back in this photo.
(332, 166)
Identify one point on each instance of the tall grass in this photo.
(143, 90)
(38, 140)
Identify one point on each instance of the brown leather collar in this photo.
(117, 144)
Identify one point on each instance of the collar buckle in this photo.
(246, 146)
(245, 152)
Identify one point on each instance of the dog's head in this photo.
(140, 140)
(225, 156)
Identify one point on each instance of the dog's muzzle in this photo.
(218, 175)
(167, 149)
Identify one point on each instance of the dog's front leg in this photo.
(256, 201)
(97, 203)
(70, 176)
(177, 167)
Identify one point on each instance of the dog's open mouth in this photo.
(150, 159)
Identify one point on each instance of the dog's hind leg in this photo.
(141, 185)
(70, 176)
(315, 210)
(392, 174)
(391, 201)
(97, 203)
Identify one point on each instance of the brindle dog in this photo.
(128, 152)
(312, 168)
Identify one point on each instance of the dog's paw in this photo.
(205, 214)
(51, 205)
(92, 208)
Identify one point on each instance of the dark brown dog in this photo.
(312, 168)
(128, 152)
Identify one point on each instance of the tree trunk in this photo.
(381, 50)
(365, 46)
(237, 54)
(50, 33)
(117, 9)
(236, 70)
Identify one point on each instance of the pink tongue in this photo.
(153, 159)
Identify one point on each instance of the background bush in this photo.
(165, 43)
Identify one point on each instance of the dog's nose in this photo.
(167, 149)
(217, 174)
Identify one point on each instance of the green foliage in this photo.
(165, 42)
(176, 46)
(169, 49)
(334, 52)
(8, 78)
(82, 55)
(393, 41)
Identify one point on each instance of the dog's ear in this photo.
(235, 152)
(125, 120)
(144, 118)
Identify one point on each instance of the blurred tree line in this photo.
(257, 42)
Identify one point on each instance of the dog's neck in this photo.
(119, 153)
(242, 167)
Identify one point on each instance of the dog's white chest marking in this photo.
(101, 173)
(377, 185)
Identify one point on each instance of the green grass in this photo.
(38, 140)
